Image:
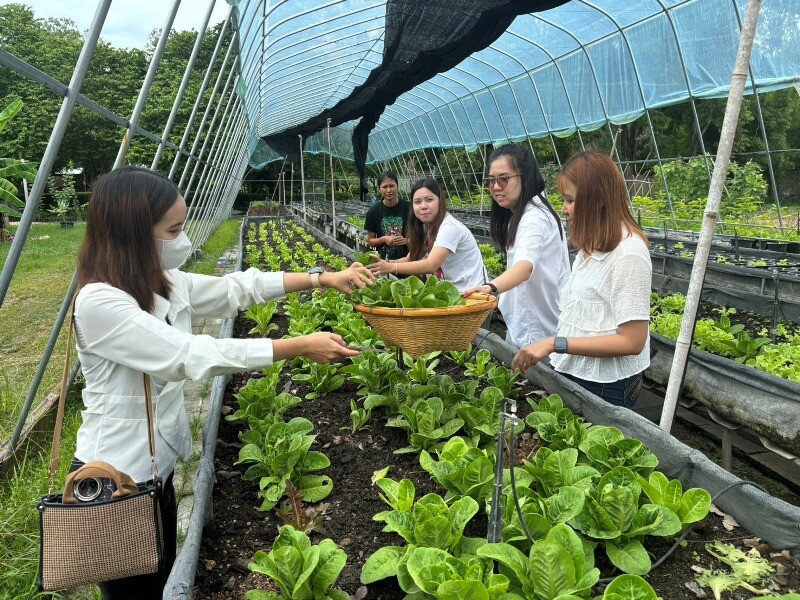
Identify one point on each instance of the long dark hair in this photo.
(119, 248)
(415, 229)
(504, 222)
(600, 203)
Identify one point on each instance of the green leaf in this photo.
(630, 558)
(462, 590)
(551, 569)
(630, 587)
(314, 487)
(381, 564)
(695, 505)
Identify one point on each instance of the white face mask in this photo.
(173, 253)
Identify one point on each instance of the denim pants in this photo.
(148, 587)
(622, 392)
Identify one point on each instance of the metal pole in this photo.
(210, 163)
(291, 188)
(333, 190)
(199, 99)
(223, 186)
(148, 81)
(182, 88)
(208, 108)
(50, 153)
(302, 176)
(684, 342)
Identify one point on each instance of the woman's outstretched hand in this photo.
(324, 347)
(476, 289)
(530, 355)
(355, 276)
(381, 267)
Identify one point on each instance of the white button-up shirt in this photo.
(117, 342)
(605, 290)
(531, 309)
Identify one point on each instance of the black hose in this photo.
(514, 486)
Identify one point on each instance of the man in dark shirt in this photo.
(385, 222)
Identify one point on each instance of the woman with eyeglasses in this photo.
(438, 243)
(603, 341)
(527, 228)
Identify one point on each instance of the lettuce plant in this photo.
(303, 518)
(607, 448)
(301, 570)
(259, 404)
(427, 523)
(555, 424)
(438, 574)
(629, 586)
(358, 416)
(556, 567)
(553, 470)
(262, 314)
(503, 379)
(462, 470)
(426, 423)
(479, 367)
(282, 454)
(423, 368)
(691, 506)
(482, 416)
(323, 378)
(372, 371)
(611, 514)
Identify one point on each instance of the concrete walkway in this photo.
(197, 396)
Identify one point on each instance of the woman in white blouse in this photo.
(603, 340)
(133, 318)
(438, 243)
(525, 226)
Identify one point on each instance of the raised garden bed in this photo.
(230, 541)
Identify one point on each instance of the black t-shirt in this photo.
(383, 220)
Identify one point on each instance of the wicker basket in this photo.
(420, 331)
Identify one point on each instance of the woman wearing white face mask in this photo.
(133, 316)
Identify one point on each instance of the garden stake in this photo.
(495, 529)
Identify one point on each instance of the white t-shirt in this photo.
(605, 290)
(531, 309)
(464, 264)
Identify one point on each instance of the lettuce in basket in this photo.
(409, 293)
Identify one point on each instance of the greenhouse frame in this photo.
(392, 83)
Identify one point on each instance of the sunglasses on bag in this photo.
(502, 180)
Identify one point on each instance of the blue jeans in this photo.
(622, 392)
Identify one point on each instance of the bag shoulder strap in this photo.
(62, 400)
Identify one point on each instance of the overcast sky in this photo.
(129, 22)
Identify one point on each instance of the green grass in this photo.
(223, 239)
(28, 314)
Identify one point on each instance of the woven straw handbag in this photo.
(103, 526)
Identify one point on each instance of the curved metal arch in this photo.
(541, 108)
(304, 13)
(668, 15)
(438, 136)
(460, 101)
(308, 76)
(563, 83)
(489, 90)
(365, 59)
(599, 94)
(310, 71)
(328, 32)
(471, 93)
(277, 78)
(641, 94)
(318, 79)
(761, 124)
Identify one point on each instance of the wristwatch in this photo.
(560, 344)
(492, 287)
(315, 273)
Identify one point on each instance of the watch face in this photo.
(316, 270)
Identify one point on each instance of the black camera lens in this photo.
(87, 489)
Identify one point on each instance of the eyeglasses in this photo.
(502, 180)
